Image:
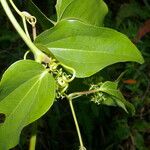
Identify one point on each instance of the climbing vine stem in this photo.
(78, 94)
(72, 96)
(32, 143)
(39, 56)
(76, 124)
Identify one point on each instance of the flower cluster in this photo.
(98, 97)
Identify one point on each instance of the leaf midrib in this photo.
(23, 96)
(21, 85)
(71, 36)
(85, 51)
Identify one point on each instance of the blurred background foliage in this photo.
(102, 127)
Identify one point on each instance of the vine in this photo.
(48, 77)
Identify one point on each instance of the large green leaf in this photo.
(27, 91)
(87, 48)
(88, 11)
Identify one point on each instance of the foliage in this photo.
(23, 97)
(66, 37)
(63, 41)
(69, 9)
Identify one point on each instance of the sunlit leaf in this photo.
(86, 48)
(27, 91)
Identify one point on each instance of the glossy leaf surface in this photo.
(87, 48)
(27, 91)
(88, 11)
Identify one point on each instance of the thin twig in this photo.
(78, 94)
(76, 124)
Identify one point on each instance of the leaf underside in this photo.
(115, 97)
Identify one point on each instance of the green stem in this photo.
(39, 56)
(77, 126)
(33, 137)
(25, 27)
(78, 94)
(32, 142)
(71, 69)
(16, 9)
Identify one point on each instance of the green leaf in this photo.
(115, 97)
(132, 9)
(141, 125)
(87, 48)
(120, 130)
(139, 141)
(27, 91)
(88, 11)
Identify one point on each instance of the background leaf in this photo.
(88, 11)
(131, 9)
(87, 48)
(110, 95)
(139, 141)
(115, 97)
(27, 91)
(42, 19)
